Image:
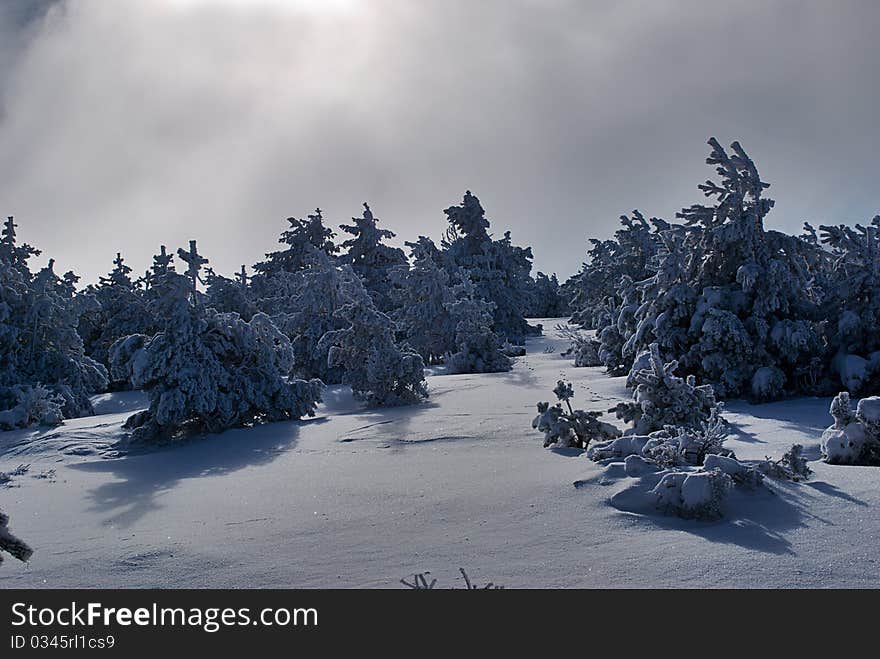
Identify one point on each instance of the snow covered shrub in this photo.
(697, 495)
(379, 372)
(10, 544)
(791, 466)
(662, 399)
(767, 384)
(740, 474)
(571, 429)
(583, 349)
(370, 258)
(477, 348)
(618, 449)
(30, 405)
(674, 422)
(674, 480)
(511, 350)
(683, 445)
(855, 436)
(207, 370)
(670, 447)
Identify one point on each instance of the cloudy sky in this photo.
(129, 123)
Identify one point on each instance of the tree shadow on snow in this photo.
(736, 432)
(394, 427)
(524, 376)
(831, 490)
(754, 519)
(567, 452)
(798, 413)
(140, 478)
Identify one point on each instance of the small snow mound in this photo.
(868, 411)
(844, 445)
(636, 465)
(120, 402)
(617, 448)
(739, 472)
(697, 495)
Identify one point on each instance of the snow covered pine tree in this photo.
(44, 373)
(301, 235)
(121, 311)
(207, 370)
(477, 348)
(379, 372)
(370, 258)
(421, 295)
(498, 269)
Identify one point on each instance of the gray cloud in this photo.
(129, 124)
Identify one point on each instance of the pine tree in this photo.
(44, 372)
(498, 269)
(302, 233)
(15, 255)
(120, 310)
(420, 295)
(163, 262)
(664, 303)
(621, 325)
(304, 305)
(852, 280)
(630, 253)
(370, 258)
(477, 348)
(194, 262)
(229, 295)
(206, 370)
(379, 372)
(662, 399)
(735, 304)
(546, 299)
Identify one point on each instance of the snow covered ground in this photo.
(361, 498)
